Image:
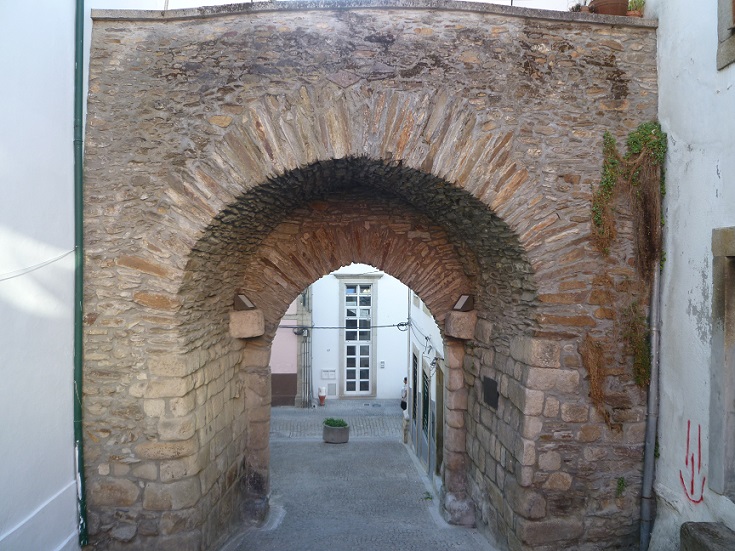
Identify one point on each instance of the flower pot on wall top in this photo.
(610, 7)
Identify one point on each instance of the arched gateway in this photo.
(253, 149)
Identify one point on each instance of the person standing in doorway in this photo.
(404, 394)
(404, 407)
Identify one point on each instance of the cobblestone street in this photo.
(366, 495)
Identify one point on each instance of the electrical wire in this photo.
(398, 325)
(24, 271)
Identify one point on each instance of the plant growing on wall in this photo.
(639, 174)
(638, 177)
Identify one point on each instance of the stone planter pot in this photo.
(336, 435)
(610, 7)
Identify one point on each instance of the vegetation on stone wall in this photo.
(638, 177)
(636, 335)
(594, 360)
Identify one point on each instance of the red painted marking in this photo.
(690, 489)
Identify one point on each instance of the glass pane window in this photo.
(357, 323)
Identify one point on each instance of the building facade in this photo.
(694, 471)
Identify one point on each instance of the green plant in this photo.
(427, 496)
(637, 340)
(602, 213)
(578, 6)
(640, 173)
(620, 487)
(593, 359)
(332, 422)
(636, 5)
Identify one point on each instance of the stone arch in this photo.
(209, 166)
(358, 212)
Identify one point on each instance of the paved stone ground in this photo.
(366, 495)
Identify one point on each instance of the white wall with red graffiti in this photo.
(697, 110)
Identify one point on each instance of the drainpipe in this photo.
(79, 267)
(651, 419)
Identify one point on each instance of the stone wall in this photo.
(257, 148)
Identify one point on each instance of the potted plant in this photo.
(635, 8)
(609, 7)
(581, 7)
(336, 431)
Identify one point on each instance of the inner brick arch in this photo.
(358, 212)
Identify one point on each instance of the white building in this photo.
(426, 389)
(345, 335)
(695, 473)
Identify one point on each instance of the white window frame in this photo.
(352, 279)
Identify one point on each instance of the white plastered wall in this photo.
(38, 503)
(390, 343)
(697, 110)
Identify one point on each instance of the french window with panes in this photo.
(358, 339)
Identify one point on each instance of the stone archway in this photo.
(224, 164)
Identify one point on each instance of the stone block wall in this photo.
(258, 148)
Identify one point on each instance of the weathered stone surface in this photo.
(394, 156)
(173, 365)
(173, 495)
(706, 536)
(575, 413)
(124, 532)
(246, 324)
(549, 461)
(546, 379)
(167, 450)
(536, 352)
(176, 428)
(549, 531)
(116, 492)
(558, 481)
(461, 325)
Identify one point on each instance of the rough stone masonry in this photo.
(252, 149)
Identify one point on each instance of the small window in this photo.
(725, 33)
